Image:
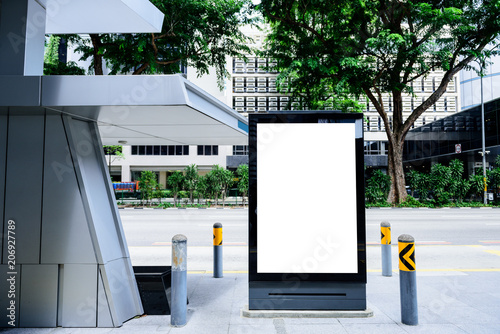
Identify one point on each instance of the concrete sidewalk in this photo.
(449, 302)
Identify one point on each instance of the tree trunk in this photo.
(96, 42)
(397, 193)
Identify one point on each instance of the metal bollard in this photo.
(385, 240)
(217, 250)
(179, 281)
(408, 280)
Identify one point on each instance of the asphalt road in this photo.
(449, 241)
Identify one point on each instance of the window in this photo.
(156, 150)
(208, 150)
(160, 150)
(240, 150)
(375, 147)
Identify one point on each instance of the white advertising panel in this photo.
(306, 198)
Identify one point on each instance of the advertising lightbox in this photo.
(306, 218)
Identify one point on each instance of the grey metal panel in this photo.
(11, 36)
(93, 182)
(39, 296)
(22, 37)
(65, 232)
(20, 90)
(35, 39)
(78, 296)
(3, 161)
(110, 191)
(23, 195)
(7, 296)
(78, 16)
(103, 313)
(234, 161)
(121, 289)
(114, 91)
(320, 295)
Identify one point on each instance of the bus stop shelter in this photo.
(64, 258)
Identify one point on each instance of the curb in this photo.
(246, 313)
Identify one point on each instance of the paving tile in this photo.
(434, 329)
(374, 329)
(481, 329)
(317, 329)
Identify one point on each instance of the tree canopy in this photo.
(52, 65)
(195, 33)
(333, 49)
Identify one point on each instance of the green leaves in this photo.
(195, 33)
(147, 184)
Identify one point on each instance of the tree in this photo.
(494, 177)
(377, 187)
(458, 185)
(214, 184)
(226, 179)
(419, 182)
(376, 47)
(242, 172)
(201, 187)
(440, 179)
(191, 179)
(114, 152)
(176, 183)
(147, 184)
(476, 182)
(195, 33)
(53, 66)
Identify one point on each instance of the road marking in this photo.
(493, 252)
(433, 243)
(369, 271)
(490, 241)
(211, 272)
(422, 243)
(168, 243)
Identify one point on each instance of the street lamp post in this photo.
(483, 137)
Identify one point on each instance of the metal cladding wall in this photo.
(63, 251)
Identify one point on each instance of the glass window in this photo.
(208, 150)
(164, 150)
(178, 150)
(142, 150)
(200, 149)
(134, 150)
(156, 150)
(215, 150)
(171, 150)
(240, 150)
(186, 149)
(149, 150)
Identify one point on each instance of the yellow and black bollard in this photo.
(217, 250)
(385, 240)
(408, 280)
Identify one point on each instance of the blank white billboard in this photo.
(306, 198)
